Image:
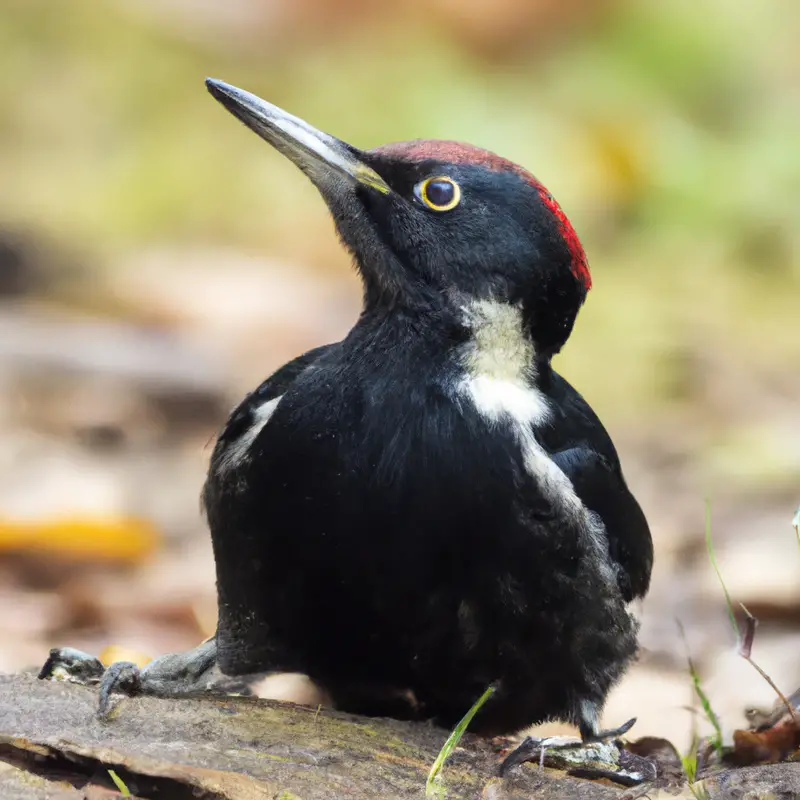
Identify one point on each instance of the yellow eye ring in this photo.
(439, 193)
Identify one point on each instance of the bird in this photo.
(426, 507)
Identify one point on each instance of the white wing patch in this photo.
(239, 449)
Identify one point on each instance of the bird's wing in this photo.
(602, 489)
(274, 386)
(580, 445)
(243, 418)
(284, 377)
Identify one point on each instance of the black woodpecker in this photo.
(426, 507)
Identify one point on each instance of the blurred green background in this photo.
(160, 260)
(669, 131)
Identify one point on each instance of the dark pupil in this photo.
(440, 193)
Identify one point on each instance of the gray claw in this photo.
(527, 750)
(75, 666)
(123, 677)
(612, 733)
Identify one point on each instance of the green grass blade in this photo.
(702, 696)
(707, 710)
(713, 559)
(689, 763)
(119, 783)
(431, 788)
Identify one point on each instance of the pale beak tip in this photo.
(217, 89)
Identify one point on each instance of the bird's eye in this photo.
(440, 193)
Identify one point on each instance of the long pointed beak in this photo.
(318, 154)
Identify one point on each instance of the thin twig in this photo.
(744, 651)
(744, 639)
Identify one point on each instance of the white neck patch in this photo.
(499, 365)
(499, 379)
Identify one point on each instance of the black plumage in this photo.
(426, 507)
(380, 540)
(383, 536)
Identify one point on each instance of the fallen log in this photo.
(53, 745)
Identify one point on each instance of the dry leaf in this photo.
(779, 743)
(92, 539)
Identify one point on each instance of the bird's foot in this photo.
(594, 756)
(173, 675)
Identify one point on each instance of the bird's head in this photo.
(432, 221)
